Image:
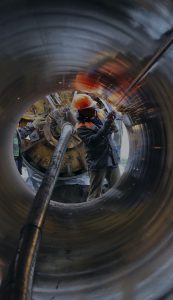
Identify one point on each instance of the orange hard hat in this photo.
(82, 101)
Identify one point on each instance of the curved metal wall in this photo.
(119, 246)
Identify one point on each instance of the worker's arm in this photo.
(111, 117)
(88, 136)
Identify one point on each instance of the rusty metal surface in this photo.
(38, 149)
(119, 246)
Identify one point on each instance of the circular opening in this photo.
(37, 134)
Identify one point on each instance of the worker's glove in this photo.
(113, 128)
(109, 120)
(38, 123)
(111, 116)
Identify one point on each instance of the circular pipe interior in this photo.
(120, 245)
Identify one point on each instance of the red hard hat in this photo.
(82, 101)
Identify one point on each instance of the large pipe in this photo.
(22, 269)
(119, 246)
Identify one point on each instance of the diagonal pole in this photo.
(156, 56)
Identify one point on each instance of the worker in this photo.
(95, 131)
(22, 133)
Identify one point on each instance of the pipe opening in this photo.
(36, 135)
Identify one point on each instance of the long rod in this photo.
(28, 247)
(156, 56)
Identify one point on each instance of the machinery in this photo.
(37, 150)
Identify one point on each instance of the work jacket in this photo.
(100, 149)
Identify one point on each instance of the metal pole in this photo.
(28, 247)
(156, 56)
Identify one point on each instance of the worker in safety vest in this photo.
(95, 131)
